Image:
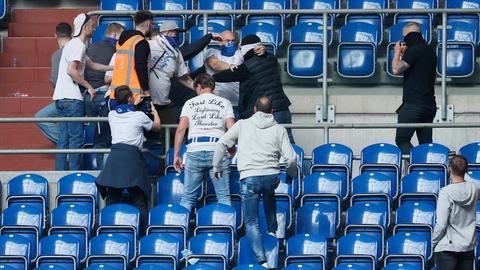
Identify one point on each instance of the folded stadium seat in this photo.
(359, 249)
(299, 267)
(307, 250)
(159, 250)
(462, 38)
(406, 247)
(218, 219)
(332, 201)
(420, 183)
(100, 267)
(249, 267)
(370, 183)
(210, 249)
(171, 5)
(375, 19)
(316, 4)
(268, 34)
(305, 51)
(472, 19)
(121, 219)
(335, 158)
(152, 156)
(14, 252)
(61, 250)
(24, 220)
(396, 35)
(49, 266)
(348, 266)
(317, 219)
(425, 20)
(368, 218)
(170, 156)
(78, 189)
(473, 176)
(276, 20)
(28, 189)
(79, 227)
(111, 250)
(383, 158)
(322, 184)
(88, 134)
(199, 267)
(3, 9)
(430, 157)
(170, 219)
(170, 188)
(300, 156)
(126, 21)
(224, 20)
(197, 32)
(282, 220)
(270, 245)
(399, 266)
(471, 152)
(357, 50)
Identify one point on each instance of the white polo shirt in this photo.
(128, 127)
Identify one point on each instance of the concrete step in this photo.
(31, 29)
(31, 89)
(43, 45)
(48, 15)
(24, 74)
(21, 59)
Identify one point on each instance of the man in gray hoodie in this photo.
(454, 237)
(262, 143)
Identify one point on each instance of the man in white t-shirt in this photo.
(207, 117)
(68, 95)
(226, 57)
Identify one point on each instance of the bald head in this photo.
(411, 27)
(227, 36)
(263, 104)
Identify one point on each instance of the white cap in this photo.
(170, 26)
(79, 22)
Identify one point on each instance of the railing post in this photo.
(326, 134)
(443, 107)
(205, 23)
(325, 67)
(167, 139)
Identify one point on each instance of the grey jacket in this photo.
(456, 218)
(261, 145)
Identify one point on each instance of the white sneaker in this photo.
(264, 265)
(273, 234)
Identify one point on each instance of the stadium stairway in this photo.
(24, 82)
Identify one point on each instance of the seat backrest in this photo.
(318, 4)
(416, 4)
(396, 32)
(367, 4)
(170, 4)
(218, 5)
(24, 215)
(307, 244)
(217, 214)
(429, 153)
(100, 267)
(170, 188)
(169, 214)
(322, 182)
(400, 266)
(372, 182)
(121, 4)
(60, 245)
(407, 243)
(412, 212)
(462, 4)
(267, 33)
(332, 154)
(359, 32)
(78, 183)
(267, 4)
(420, 182)
(14, 245)
(270, 245)
(316, 219)
(160, 244)
(195, 33)
(471, 152)
(349, 267)
(72, 215)
(307, 32)
(210, 243)
(367, 214)
(110, 244)
(473, 176)
(183, 149)
(28, 184)
(381, 153)
(356, 243)
(459, 31)
(120, 214)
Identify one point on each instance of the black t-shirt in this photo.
(419, 79)
(100, 52)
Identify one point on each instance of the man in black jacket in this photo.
(259, 76)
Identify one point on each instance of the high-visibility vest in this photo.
(124, 72)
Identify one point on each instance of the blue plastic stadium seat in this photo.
(323, 183)
(348, 251)
(334, 158)
(61, 250)
(3, 9)
(282, 217)
(171, 5)
(349, 266)
(171, 219)
(78, 189)
(375, 20)
(406, 246)
(224, 20)
(210, 249)
(472, 19)
(276, 20)
(305, 51)
(316, 4)
(100, 267)
(170, 188)
(50, 266)
(416, 213)
(383, 158)
(14, 252)
(197, 32)
(317, 219)
(374, 183)
(473, 176)
(421, 182)
(424, 19)
(121, 4)
(431, 157)
(357, 50)
(88, 134)
(26, 221)
(268, 33)
(270, 245)
(199, 267)
(300, 267)
(471, 152)
(170, 154)
(249, 267)
(160, 250)
(307, 250)
(111, 250)
(29, 189)
(369, 218)
(75, 221)
(120, 219)
(399, 266)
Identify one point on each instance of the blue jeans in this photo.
(284, 117)
(50, 130)
(252, 188)
(102, 136)
(70, 133)
(197, 165)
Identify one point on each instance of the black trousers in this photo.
(135, 197)
(414, 113)
(447, 260)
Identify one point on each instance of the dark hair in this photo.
(63, 30)
(205, 81)
(263, 104)
(114, 28)
(458, 165)
(122, 94)
(142, 16)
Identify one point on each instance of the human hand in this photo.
(154, 110)
(217, 37)
(260, 50)
(177, 163)
(138, 99)
(232, 66)
(231, 152)
(217, 175)
(92, 93)
(399, 48)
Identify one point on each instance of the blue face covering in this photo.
(228, 49)
(174, 41)
(124, 108)
(112, 41)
